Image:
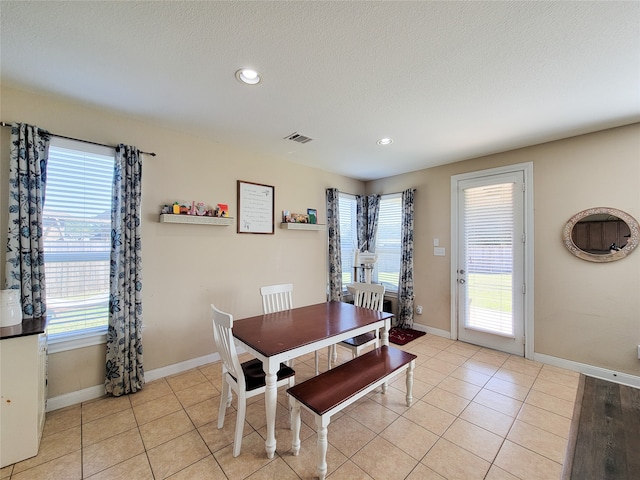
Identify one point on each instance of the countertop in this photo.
(34, 326)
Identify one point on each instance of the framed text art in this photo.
(255, 208)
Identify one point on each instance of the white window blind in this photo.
(489, 240)
(348, 235)
(388, 242)
(77, 226)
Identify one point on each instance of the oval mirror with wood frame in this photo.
(601, 234)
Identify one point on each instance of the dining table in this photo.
(277, 337)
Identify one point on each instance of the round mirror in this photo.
(601, 234)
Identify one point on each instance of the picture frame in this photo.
(256, 203)
(313, 215)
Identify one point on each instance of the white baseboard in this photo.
(597, 372)
(98, 391)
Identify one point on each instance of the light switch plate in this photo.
(439, 251)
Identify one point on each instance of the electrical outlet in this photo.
(419, 312)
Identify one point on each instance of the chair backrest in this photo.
(223, 336)
(276, 298)
(367, 295)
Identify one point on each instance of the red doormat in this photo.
(402, 336)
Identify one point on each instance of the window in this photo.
(388, 242)
(348, 235)
(77, 231)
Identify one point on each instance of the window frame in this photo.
(388, 250)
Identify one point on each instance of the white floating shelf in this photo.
(195, 219)
(302, 226)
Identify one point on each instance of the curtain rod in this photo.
(4, 124)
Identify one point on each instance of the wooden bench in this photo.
(338, 388)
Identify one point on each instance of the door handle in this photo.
(462, 280)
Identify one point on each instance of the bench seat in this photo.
(335, 389)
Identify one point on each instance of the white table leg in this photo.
(410, 383)
(322, 425)
(271, 402)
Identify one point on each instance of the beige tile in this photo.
(491, 357)
(177, 454)
(402, 429)
(523, 366)
(53, 446)
(110, 452)
(217, 439)
(137, 467)
(186, 379)
(5, 472)
(197, 393)
(521, 379)
(446, 401)
(348, 471)
(564, 392)
(561, 377)
(394, 399)
(480, 367)
(537, 440)
(373, 415)
(153, 409)
(525, 464)
(471, 376)
(475, 439)
(422, 472)
(549, 421)
(463, 349)
(430, 417)
(67, 467)
(205, 469)
(151, 391)
(502, 403)
(455, 462)
(441, 366)
(104, 406)
(459, 387)
(452, 358)
(213, 371)
(284, 435)
(507, 388)
(488, 418)
(419, 390)
(550, 403)
(278, 469)
(62, 419)
(348, 435)
(109, 426)
(393, 464)
(305, 463)
(496, 473)
(256, 414)
(165, 428)
(428, 375)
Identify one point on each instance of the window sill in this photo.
(74, 341)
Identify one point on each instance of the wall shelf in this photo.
(195, 219)
(302, 226)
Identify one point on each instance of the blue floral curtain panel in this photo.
(124, 371)
(367, 211)
(335, 259)
(25, 243)
(405, 286)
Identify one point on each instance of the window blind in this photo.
(388, 242)
(77, 231)
(348, 235)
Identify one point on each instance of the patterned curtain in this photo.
(367, 211)
(25, 242)
(335, 259)
(405, 287)
(124, 372)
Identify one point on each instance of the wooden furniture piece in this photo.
(281, 336)
(246, 379)
(23, 389)
(330, 392)
(366, 295)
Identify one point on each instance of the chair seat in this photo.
(360, 339)
(255, 377)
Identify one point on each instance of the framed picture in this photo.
(313, 215)
(255, 208)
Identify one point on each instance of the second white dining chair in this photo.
(276, 298)
(367, 295)
(247, 379)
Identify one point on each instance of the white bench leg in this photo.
(295, 426)
(322, 424)
(410, 383)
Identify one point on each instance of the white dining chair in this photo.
(247, 379)
(276, 298)
(367, 295)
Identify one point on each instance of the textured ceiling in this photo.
(446, 80)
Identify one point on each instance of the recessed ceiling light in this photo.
(385, 141)
(248, 76)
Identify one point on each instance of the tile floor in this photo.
(477, 414)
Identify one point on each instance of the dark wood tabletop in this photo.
(274, 333)
(33, 326)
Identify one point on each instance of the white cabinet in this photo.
(23, 388)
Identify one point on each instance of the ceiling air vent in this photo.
(296, 137)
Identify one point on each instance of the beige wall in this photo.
(187, 267)
(584, 312)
